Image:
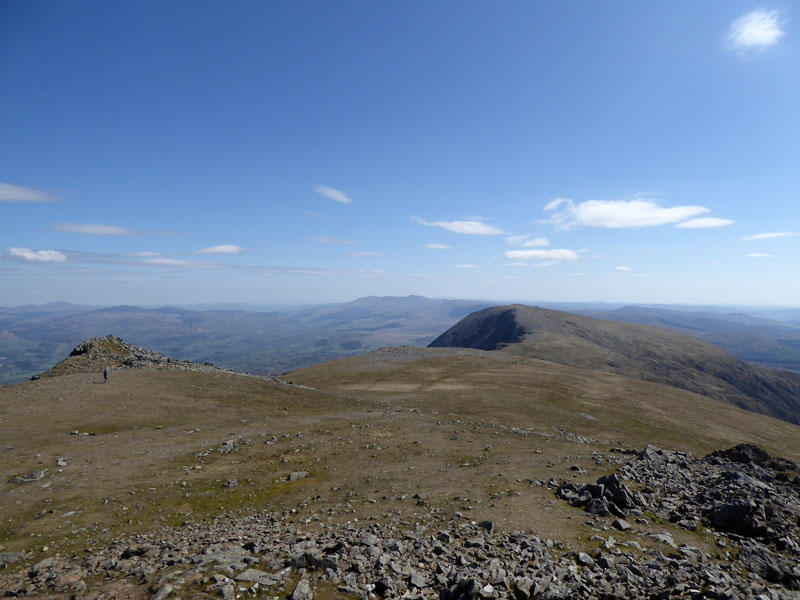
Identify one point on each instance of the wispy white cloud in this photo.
(537, 242)
(704, 223)
(617, 214)
(517, 264)
(327, 239)
(769, 236)
(755, 31)
(89, 229)
(577, 274)
(142, 254)
(547, 263)
(466, 227)
(44, 256)
(546, 255)
(17, 193)
(516, 240)
(436, 246)
(167, 262)
(622, 268)
(333, 194)
(366, 253)
(466, 266)
(759, 255)
(221, 249)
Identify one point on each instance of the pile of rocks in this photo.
(742, 496)
(112, 352)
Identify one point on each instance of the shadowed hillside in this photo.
(645, 353)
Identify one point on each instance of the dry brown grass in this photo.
(381, 428)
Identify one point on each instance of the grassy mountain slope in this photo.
(640, 352)
(755, 339)
(409, 434)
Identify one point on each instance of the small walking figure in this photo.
(105, 374)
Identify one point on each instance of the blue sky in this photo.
(263, 152)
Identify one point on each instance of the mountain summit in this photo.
(637, 351)
(98, 353)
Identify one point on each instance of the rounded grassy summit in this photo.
(637, 351)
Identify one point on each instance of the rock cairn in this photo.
(109, 351)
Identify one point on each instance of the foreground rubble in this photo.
(748, 502)
(746, 499)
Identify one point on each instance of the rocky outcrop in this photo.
(743, 496)
(111, 352)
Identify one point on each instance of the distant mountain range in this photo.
(34, 338)
(637, 351)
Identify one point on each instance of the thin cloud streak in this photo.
(168, 262)
(705, 223)
(92, 229)
(516, 240)
(17, 193)
(546, 255)
(333, 194)
(769, 236)
(465, 227)
(332, 240)
(221, 249)
(536, 243)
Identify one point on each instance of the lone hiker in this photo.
(105, 374)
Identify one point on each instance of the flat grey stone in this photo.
(258, 576)
(10, 557)
(164, 591)
(621, 524)
(302, 591)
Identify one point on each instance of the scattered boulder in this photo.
(28, 477)
(298, 475)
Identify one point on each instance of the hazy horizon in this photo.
(251, 306)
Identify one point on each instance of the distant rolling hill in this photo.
(33, 339)
(641, 352)
(753, 338)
